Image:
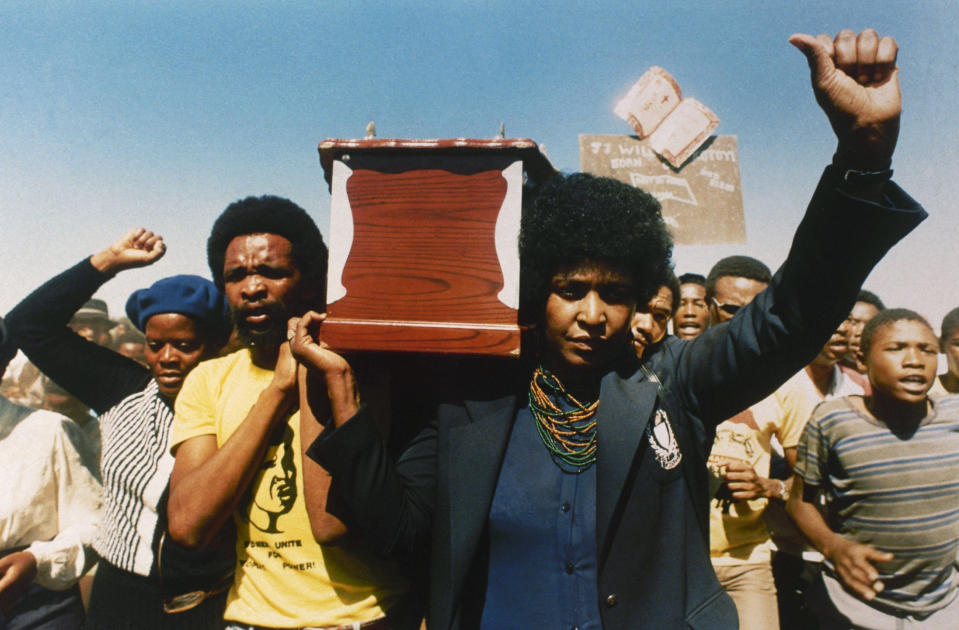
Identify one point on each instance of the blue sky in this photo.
(115, 115)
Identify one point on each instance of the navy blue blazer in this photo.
(655, 425)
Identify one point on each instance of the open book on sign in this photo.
(656, 109)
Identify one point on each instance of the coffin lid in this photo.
(535, 162)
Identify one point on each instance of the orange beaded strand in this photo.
(569, 435)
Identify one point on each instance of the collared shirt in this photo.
(542, 565)
(51, 500)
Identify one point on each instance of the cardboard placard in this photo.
(702, 201)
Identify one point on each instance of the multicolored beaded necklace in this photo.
(569, 435)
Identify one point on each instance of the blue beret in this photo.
(193, 296)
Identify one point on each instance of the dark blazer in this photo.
(651, 504)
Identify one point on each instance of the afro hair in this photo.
(271, 215)
(580, 218)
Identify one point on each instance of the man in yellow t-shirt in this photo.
(739, 542)
(237, 440)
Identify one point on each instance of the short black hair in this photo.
(693, 278)
(271, 215)
(885, 318)
(581, 218)
(949, 325)
(672, 283)
(870, 298)
(737, 267)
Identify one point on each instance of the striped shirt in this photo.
(135, 466)
(897, 493)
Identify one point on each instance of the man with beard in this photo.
(237, 431)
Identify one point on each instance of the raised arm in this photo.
(136, 248)
(856, 84)
(208, 482)
(331, 371)
(99, 377)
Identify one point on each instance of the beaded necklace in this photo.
(569, 435)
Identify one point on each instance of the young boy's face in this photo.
(902, 360)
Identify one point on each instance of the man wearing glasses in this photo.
(739, 464)
(732, 283)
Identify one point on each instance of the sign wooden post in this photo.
(423, 243)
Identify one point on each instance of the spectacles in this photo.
(730, 309)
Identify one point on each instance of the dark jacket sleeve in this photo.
(97, 376)
(391, 504)
(838, 242)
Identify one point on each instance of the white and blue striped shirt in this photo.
(135, 466)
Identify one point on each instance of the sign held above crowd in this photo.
(702, 201)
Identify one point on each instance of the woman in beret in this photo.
(184, 319)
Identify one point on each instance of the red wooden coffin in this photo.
(423, 243)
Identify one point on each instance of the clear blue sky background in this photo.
(115, 115)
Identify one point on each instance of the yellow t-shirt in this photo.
(284, 578)
(737, 532)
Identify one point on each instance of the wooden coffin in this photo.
(423, 243)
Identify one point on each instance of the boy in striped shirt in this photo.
(888, 466)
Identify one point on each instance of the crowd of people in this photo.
(737, 449)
